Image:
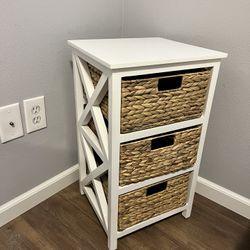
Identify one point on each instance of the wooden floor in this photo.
(66, 221)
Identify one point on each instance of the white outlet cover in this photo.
(35, 116)
(11, 126)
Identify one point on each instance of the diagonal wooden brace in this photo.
(92, 199)
(85, 77)
(95, 174)
(95, 99)
(93, 141)
(97, 184)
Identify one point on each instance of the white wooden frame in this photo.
(107, 145)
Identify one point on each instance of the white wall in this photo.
(221, 25)
(34, 61)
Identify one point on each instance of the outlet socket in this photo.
(35, 116)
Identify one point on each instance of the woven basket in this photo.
(155, 156)
(147, 202)
(159, 99)
(158, 155)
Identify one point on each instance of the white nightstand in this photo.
(120, 59)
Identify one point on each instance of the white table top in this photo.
(136, 52)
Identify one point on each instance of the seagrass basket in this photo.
(150, 201)
(158, 155)
(158, 99)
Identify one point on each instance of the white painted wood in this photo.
(93, 141)
(36, 195)
(80, 101)
(231, 200)
(94, 174)
(88, 139)
(85, 77)
(164, 68)
(193, 181)
(150, 221)
(114, 107)
(101, 129)
(80, 97)
(96, 64)
(95, 110)
(96, 98)
(118, 58)
(94, 203)
(138, 52)
(97, 184)
(159, 130)
(134, 186)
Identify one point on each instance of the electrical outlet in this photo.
(11, 126)
(34, 111)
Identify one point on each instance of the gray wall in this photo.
(35, 60)
(221, 25)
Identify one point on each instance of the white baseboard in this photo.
(36, 195)
(233, 201)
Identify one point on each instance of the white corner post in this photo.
(114, 158)
(80, 101)
(194, 175)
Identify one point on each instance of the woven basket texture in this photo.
(138, 162)
(136, 206)
(143, 106)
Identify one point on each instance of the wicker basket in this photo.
(147, 202)
(155, 156)
(159, 99)
(158, 155)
